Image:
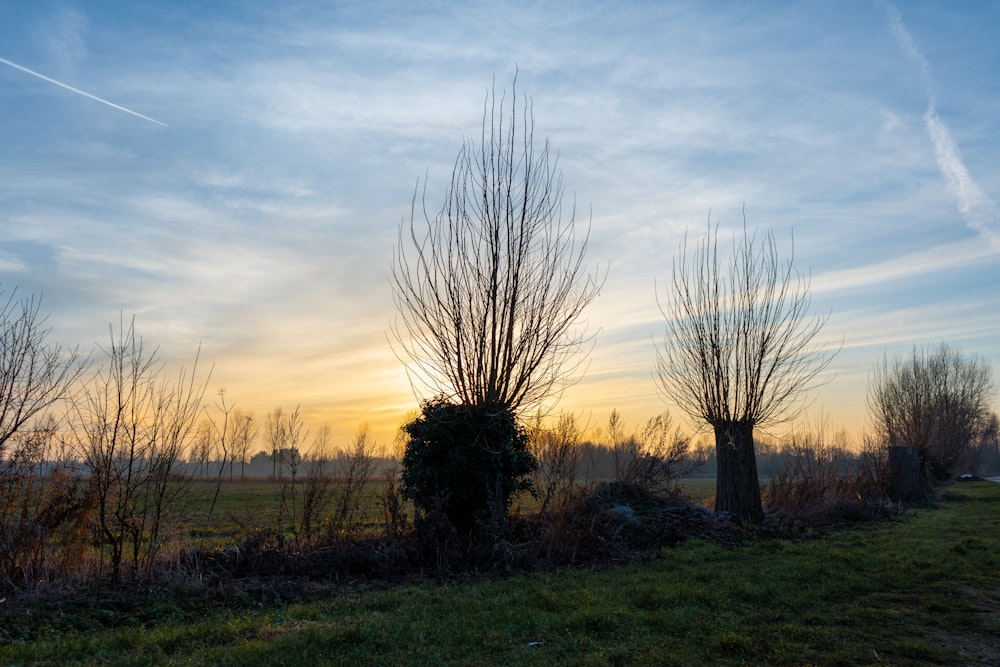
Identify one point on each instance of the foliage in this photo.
(465, 461)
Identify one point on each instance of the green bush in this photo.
(465, 461)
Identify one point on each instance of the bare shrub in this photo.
(823, 482)
(286, 433)
(315, 485)
(355, 468)
(131, 428)
(45, 511)
(560, 455)
(873, 465)
(393, 515)
(224, 436)
(653, 458)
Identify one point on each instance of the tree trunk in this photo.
(737, 488)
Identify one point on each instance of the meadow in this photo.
(247, 506)
(921, 588)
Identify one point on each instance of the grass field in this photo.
(244, 506)
(920, 589)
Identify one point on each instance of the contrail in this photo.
(81, 92)
(976, 207)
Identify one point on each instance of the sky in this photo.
(234, 175)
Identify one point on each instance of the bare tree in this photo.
(489, 288)
(276, 436)
(245, 432)
(224, 429)
(937, 400)
(740, 351)
(131, 429)
(201, 446)
(33, 374)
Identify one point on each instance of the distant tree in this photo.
(936, 400)
(740, 352)
(489, 291)
(202, 445)
(276, 436)
(244, 433)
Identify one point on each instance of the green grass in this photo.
(922, 589)
(244, 506)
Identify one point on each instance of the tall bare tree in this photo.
(937, 400)
(740, 351)
(34, 375)
(489, 289)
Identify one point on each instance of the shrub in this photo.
(465, 461)
(653, 458)
(822, 483)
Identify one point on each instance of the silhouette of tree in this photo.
(937, 400)
(740, 352)
(33, 374)
(489, 289)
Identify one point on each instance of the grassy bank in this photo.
(921, 589)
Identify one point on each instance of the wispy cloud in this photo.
(80, 92)
(64, 36)
(979, 211)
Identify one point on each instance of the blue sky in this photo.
(245, 192)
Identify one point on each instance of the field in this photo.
(243, 507)
(920, 589)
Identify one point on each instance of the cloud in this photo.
(976, 207)
(964, 254)
(979, 211)
(64, 36)
(909, 48)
